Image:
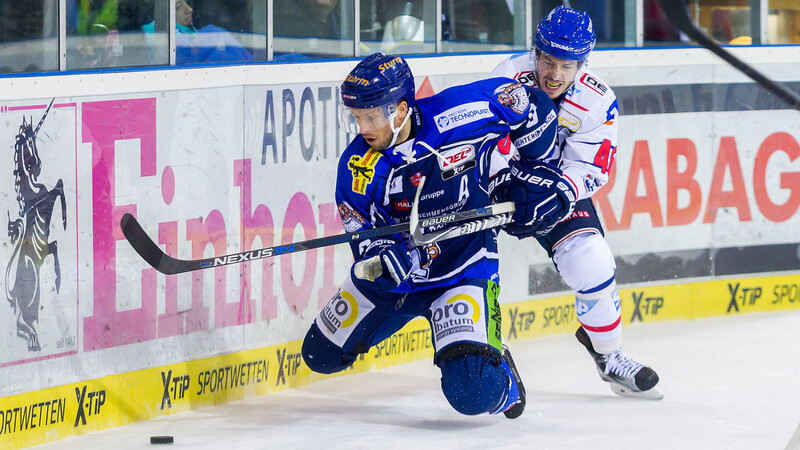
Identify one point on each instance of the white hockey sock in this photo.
(599, 313)
(587, 266)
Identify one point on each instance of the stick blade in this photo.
(140, 241)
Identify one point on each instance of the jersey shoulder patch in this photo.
(363, 169)
(516, 67)
(589, 102)
(594, 84)
(359, 164)
(513, 96)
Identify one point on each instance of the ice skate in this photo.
(516, 410)
(627, 377)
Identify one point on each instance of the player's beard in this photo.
(378, 142)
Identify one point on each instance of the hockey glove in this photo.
(498, 185)
(396, 265)
(541, 196)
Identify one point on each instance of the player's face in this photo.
(375, 127)
(555, 74)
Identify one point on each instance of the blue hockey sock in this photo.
(474, 384)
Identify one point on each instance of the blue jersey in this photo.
(460, 137)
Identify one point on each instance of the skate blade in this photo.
(651, 394)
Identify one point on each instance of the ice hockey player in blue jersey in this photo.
(571, 232)
(452, 146)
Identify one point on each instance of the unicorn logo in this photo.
(30, 233)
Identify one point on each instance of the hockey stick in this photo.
(678, 14)
(501, 215)
(371, 268)
(168, 265)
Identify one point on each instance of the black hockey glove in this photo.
(541, 196)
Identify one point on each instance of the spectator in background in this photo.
(93, 36)
(184, 22)
(306, 18)
(207, 44)
(479, 21)
(406, 24)
(404, 32)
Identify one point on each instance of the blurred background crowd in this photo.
(127, 33)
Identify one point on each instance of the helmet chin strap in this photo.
(396, 131)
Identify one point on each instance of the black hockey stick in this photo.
(168, 265)
(678, 14)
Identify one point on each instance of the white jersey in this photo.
(587, 125)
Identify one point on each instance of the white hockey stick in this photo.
(494, 216)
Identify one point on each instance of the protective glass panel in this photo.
(611, 19)
(658, 30)
(398, 27)
(783, 22)
(482, 25)
(28, 36)
(727, 21)
(312, 29)
(112, 33)
(219, 31)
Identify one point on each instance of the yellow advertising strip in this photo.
(55, 413)
(51, 414)
(657, 303)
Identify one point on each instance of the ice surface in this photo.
(728, 383)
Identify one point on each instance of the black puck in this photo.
(161, 439)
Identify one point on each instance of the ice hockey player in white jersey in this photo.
(586, 144)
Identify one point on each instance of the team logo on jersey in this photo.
(568, 120)
(351, 220)
(525, 77)
(415, 179)
(363, 169)
(594, 84)
(456, 161)
(462, 115)
(513, 96)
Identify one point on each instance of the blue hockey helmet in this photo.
(378, 81)
(566, 33)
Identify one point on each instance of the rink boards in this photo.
(701, 213)
(143, 394)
